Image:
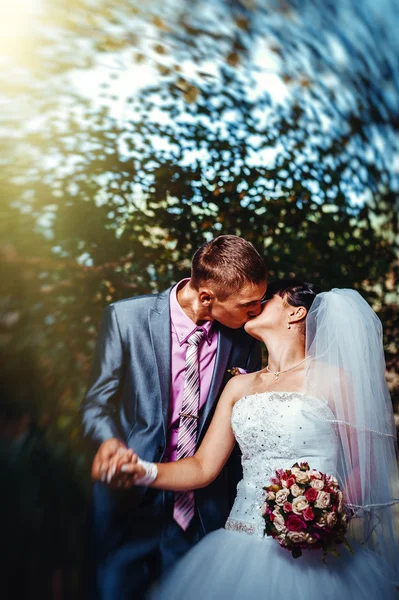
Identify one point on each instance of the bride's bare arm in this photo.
(202, 468)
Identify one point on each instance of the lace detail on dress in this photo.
(239, 526)
(273, 431)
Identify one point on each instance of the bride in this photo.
(322, 399)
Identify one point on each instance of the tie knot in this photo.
(196, 338)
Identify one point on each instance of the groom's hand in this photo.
(103, 468)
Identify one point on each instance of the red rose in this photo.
(295, 523)
(308, 514)
(290, 481)
(287, 507)
(311, 494)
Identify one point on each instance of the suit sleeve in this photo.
(99, 406)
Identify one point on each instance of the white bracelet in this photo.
(151, 473)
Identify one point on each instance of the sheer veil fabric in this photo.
(346, 370)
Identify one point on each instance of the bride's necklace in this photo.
(278, 373)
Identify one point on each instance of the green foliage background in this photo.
(97, 208)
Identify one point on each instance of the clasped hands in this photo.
(116, 465)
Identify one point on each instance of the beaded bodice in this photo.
(274, 430)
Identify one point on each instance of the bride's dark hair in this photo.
(294, 292)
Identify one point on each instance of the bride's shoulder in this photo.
(238, 385)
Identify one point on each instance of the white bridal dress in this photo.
(274, 430)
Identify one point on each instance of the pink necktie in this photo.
(187, 439)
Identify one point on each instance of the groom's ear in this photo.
(206, 296)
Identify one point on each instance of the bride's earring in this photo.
(288, 326)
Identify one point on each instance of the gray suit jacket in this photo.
(129, 393)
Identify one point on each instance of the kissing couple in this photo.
(185, 449)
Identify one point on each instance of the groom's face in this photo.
(240, 307)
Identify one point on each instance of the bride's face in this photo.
(275, 316)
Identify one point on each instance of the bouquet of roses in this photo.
(304, 509)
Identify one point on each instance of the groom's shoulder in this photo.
(141, 302)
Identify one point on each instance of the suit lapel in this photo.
(159, 323)
(219, 372)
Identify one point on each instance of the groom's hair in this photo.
(229, 263)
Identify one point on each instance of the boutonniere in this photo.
(236, 371)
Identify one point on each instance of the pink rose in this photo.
(281, 474)
(275, 513)
(295, 523)
(287, 507)
(281, 497)
(315, 474)
(323, 500)
(311, 494)
(317, 484)
(279, 524)
(299, 504)
(308, 514)
(296, 536)
(296, 490)
(302, 477)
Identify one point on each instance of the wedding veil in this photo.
(346, 370)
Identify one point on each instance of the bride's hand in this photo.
(125, 469)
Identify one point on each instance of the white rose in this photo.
(332, 519)
(271, 496)
(279, 524)
(296, 536)
(317, 484)
(276, 510)
(282, 497)
(295, 470)
(315, 474)
(323, 500)
(296, 490)
(299, 504)
(302, 477)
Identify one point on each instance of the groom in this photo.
(161, 363)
